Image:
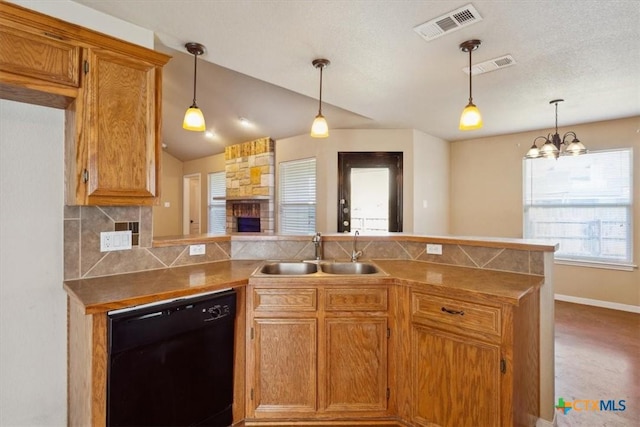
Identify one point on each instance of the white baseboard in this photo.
(547, 423)
(599, 303)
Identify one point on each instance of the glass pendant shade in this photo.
(193, 119)
(576, 148)
(549, 150)
(533, 152)
(319, 128)
(470, 118)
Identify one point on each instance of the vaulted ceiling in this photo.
(383, 74)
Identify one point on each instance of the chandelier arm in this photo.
(564, 137)
(540, 137)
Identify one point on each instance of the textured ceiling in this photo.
(383, 74)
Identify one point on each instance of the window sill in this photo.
(596, 264)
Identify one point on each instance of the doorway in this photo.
(369, 191)
(191, 204)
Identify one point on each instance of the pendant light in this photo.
(470, 118)
(319, 128)
(193, 118)
(552, 145)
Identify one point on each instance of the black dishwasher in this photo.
(171, 364)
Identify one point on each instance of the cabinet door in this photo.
(37, 64)
(356, 364)
(455, 380)
(118, 130)
(285, 367)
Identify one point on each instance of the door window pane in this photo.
(369, 199)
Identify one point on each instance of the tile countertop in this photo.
(106, 293)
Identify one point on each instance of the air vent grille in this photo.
(491, 65)
(448, 22)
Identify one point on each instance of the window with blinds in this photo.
(584, 203)
(297, 200)
(217, 204)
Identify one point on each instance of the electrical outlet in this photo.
(434, 249)
(197, 249)
(115, 241)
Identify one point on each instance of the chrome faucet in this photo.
(355, 254)
(317, 242)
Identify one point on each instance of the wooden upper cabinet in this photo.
(116, 146)
(111, 91)
(38, 64)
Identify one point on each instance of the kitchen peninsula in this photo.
(408, 322)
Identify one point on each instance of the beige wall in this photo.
(326, 153)
(486, 200)
(204, 167)
(430, 184)
(167, 220)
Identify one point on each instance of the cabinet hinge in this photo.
(86, 67)
(85, 175)
(388, 332)
(503, 366)
(251, 335)
(388, 393)
(251, 394)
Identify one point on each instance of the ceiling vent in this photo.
(449, 22)
(491, 65)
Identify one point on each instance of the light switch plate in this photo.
(197, 249)
(115, 241)
(434, 249)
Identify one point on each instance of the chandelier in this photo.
(552, 145)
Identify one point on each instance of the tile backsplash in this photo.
(82, 256)
(83, 259)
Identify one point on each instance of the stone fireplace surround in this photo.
(250, 183)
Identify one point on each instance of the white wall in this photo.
(326, 153)
(430, 184)
(33, 357)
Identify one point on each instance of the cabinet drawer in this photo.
(360, 299)
(459, 315)
(284, 300)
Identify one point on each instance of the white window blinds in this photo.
(217, 204)
(584, 203)
(297, 197)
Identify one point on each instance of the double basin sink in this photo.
(301, 268)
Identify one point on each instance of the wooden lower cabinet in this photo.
(456, 382)
(317, 353)
(474, 363)
(355, 365)
(285, 356)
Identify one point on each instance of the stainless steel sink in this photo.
(289, 268)
(348, 268)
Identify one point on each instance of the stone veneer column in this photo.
(250, 178)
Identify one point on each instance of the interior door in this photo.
(191, 204)
(369, 191)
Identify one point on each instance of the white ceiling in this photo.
(383, 74)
